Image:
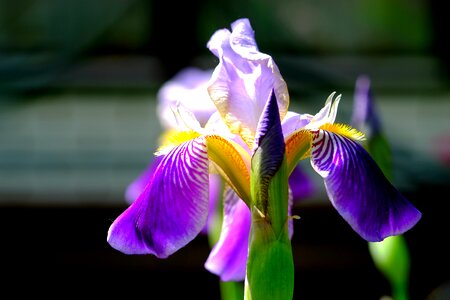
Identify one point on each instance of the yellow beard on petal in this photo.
(344, 130)
(172, 138)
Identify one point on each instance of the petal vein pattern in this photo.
(173, 208)
(358, 189)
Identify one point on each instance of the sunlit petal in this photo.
(185, 118)
(173, 208)
(294, 121)
(358, 189)
(228, 257)
(243, 80)
(327, 114)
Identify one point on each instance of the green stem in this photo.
(270, 266)
(231, 290)
(400, 292)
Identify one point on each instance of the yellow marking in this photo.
(298, 147)
(345, 130)
(233, 164)
(172, 138)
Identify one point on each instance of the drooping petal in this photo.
(243, 80)
(228, 257)
(136, 187)
(358, 189)
(173, 208)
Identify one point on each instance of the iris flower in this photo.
(189, 89)
(252, 120)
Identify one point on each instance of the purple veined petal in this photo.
(189, 89)
(228, 258)
(215, 193)
(173, 208)
(301, 185)
(358, 189)
(136, 187)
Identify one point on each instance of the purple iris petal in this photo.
(294, 121)
(358, 189)
(188, 88)
(173, 208)
(135, 188)
(228, 257)
(300, 184)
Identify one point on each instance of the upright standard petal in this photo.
(173, 208)
(243, 80)
(358, 189)
(327, 115)
(228, 257)
(189, 89)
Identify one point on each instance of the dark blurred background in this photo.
(78, 84)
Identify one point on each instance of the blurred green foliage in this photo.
(40, 38)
